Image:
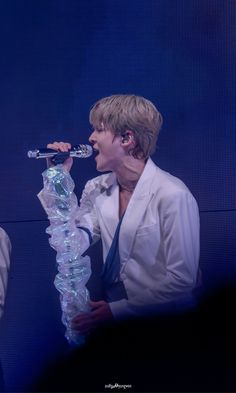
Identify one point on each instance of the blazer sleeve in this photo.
(180, 227)
(5, 250)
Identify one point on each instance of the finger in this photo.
(85, 325)
(54, 145)
(59, 146)
(81, 317)
(65, 146)
(82, 329)
(78, 324)
(98, 315)
(49, 163)
(98, 304)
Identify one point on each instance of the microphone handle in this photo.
(79, 151)
(49, 153)
(60, 157)
(56, 157)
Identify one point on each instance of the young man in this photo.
(147, 219)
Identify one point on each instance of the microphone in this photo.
(58, 157)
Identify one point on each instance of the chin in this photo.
(103, 166)
(99, 167)
(102, 169)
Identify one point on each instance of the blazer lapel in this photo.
(135, 210)
(108, 203)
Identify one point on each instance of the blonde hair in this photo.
(124, 112)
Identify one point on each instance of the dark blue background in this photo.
(57, 58)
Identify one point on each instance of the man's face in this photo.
(108, 149)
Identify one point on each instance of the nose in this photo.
(92, 138)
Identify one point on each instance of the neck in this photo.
(129, 173)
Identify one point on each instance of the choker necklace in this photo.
(122, 188)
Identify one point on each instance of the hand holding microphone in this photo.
(61, 153)
(62, 156)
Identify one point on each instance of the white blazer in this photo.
(159, 237)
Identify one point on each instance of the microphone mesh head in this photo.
(84, 151)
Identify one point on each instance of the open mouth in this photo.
(96, 151)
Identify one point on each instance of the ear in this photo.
(127, 139)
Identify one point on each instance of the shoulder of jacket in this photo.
(4, 238)
(3, 234)
(169, 184)
(103, 181)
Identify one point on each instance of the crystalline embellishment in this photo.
(60, 204)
